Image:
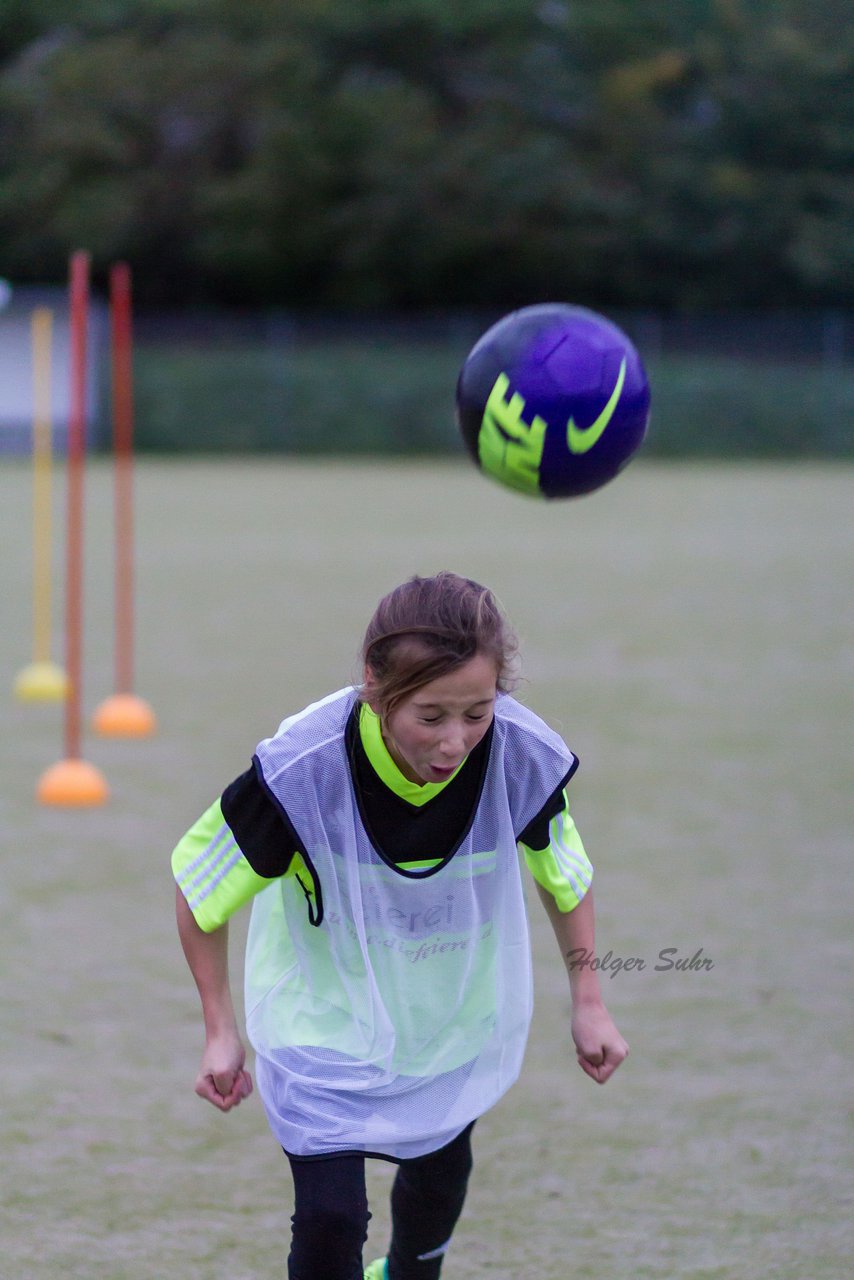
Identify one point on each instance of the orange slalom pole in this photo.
(124, 714)
(73, 782)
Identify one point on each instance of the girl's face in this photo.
(431, 732)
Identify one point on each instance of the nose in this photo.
(453, 744)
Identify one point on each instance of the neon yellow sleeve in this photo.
(562, 868)
(212, 873)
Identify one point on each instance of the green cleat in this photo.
(377, 1270)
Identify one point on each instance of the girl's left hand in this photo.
(599, 1046)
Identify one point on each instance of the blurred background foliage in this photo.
(411, 154)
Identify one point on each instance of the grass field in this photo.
(689, 630)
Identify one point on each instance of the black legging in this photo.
(330, 1222)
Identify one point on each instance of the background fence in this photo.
(728, 385)
(733, 385)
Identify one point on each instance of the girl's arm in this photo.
(600, 1047)
(222, 1079)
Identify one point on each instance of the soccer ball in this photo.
(553, 401)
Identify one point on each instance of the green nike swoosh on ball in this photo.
(580, 439)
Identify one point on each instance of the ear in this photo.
(369, 686)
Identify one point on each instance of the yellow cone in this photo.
(41, 682)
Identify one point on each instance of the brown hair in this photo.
(429, 626)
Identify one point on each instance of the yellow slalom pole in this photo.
(42, 331)
(42, 680)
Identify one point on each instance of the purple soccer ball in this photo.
(553, 401)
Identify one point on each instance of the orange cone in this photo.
(124, 715)
(72, 784)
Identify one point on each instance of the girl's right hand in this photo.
(223, 1079)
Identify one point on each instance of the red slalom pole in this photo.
(120, 327)
(79, 315)
(73, 782)
(123, 715)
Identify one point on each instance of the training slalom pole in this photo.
(123, 715)
(42, 680)
(72, 782)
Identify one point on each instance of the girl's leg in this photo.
(330, 1221)
(426, 1201)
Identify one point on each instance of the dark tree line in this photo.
(403, 153)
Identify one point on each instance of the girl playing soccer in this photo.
(388, 967)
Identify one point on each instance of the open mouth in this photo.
(443, 771)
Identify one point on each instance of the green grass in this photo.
(689, 630)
